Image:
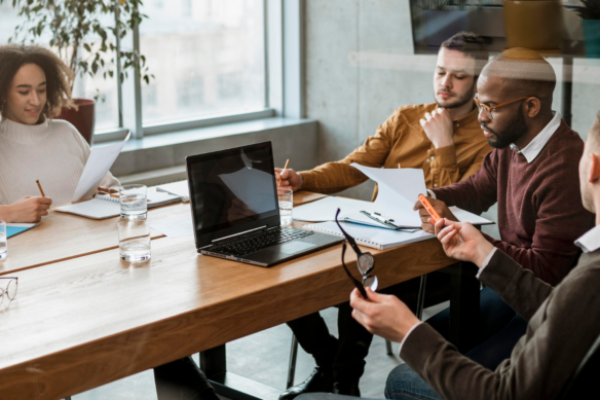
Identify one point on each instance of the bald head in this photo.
(524, 73)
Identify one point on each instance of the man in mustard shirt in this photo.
(442, 138)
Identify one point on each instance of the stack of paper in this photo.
(399, 190)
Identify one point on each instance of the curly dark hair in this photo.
(58, 75)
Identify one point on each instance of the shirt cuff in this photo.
(486, 262)
(442, 157)
(431, 194)
(406, 336)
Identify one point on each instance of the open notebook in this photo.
(15, 229)
(371, 236)
(104, 206)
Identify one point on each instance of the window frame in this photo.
(283, 69)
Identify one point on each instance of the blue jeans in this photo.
(501, 329)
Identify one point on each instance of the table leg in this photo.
(214, 364)
(464, 305)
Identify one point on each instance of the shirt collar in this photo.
(590, 241)
(533, 149)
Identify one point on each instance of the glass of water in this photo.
(134, 239)
(3, 241)
(286, 204)
(134, 201)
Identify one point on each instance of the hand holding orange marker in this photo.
(434, 214)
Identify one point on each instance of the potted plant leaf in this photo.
(441, 19)
(83, 33)
(534, 24)
(589, 13)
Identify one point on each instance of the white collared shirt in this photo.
(590, 241)
(533, 149)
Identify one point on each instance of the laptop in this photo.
(235, 211)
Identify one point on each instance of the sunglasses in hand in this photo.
(364, 261)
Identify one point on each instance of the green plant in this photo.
(84, 33)
(589, 10)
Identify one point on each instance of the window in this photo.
(207, 57)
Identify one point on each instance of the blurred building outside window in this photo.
(207, 57)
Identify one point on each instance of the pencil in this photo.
(40, 187)
(287, 164)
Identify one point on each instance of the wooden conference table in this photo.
(83, 318)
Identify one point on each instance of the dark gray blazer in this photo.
(563, 324)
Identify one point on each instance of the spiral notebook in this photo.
(369, 236)
(104, 206)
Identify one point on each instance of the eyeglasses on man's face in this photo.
(364, 261)
(8, 288)
(488, 110)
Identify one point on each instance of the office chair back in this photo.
(585, 379)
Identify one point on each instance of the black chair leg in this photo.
(292, 366)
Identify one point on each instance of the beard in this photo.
(516, 129)
(460, 100)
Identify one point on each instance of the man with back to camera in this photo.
(561, 321)
(442, 138)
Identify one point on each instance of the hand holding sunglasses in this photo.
(364, 261)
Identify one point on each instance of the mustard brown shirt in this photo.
(402, 140)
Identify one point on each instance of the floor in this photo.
(264, 357)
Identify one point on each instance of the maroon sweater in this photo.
(540, 213)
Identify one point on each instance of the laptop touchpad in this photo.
(294, 247)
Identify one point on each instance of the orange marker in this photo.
(436, 217)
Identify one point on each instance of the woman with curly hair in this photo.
(34, 86)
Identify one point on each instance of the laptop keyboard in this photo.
(261, 241)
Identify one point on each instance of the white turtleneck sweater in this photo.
(53, 152)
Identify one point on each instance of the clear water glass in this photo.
(134, 201)
(286, 205)
(134, 239)
(3, 241)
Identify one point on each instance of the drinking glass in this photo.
(3, 241)
(286, 205)
(134, 201)
(134, 239)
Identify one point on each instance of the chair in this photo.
(388, 344)
(583, 383)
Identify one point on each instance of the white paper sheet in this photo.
(325, 209)
(97, 165)
(174, 228)
(399, 190)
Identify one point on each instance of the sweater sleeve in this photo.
(560, 219)
(539, 366)
(518, 287)
(336, 176)
(475, 194)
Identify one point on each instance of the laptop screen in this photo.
(232, 190)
